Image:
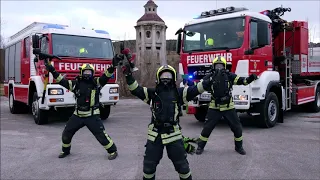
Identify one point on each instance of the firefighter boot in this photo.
(201, 145)
(63, 154)
(239, 148)
(113, 155)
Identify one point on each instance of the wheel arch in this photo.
(275, 87)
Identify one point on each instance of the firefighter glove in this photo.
(251, 78)
(116, 59)
(190, 149)
(49, 67)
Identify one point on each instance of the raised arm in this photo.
(142, 93)
(188, 93)
(68, 84)
(237, 80)
(104, 78)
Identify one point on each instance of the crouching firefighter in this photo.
(164, 130)
(86, 88)
(222, 104)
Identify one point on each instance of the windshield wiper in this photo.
(218, 48)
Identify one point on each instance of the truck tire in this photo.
(201, 113)
(16, 107)
(40, 116)
(269, 111)
(104, 112)
(315, 105)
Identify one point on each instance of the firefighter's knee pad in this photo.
(182, 167)
(149, 167)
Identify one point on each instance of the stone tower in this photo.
(150, 37)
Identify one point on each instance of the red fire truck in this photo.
(24, 75)
(253, 42)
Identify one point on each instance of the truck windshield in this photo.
(80, 46)
(214, 35)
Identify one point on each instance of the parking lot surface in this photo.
(288, 151)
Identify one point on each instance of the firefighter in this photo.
(164, 130)
(222, 104)
(86, 88)
(209, 42)
(83, 51)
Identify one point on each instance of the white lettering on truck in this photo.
(76, 66)
(207, 58)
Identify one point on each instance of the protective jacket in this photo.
(221, 89)
(165, 104)
(87, 93)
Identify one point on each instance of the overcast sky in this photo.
(119, 17)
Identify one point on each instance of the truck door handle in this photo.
(23, 75)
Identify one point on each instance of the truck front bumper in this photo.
(58, 96)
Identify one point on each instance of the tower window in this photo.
(153, 9)
(149, 9)
(158, 35)
(148, 48)
(148, 34)
(140, 35)
(158, 48)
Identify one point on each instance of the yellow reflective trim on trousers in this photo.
(145, 90)
(236, 80)
(66, 145)
(164, 136)
(86, 113)
(200, 87)
(172, 139)
(148, 176)
(184, 95)
(109, 139)
(70, 85)
(93, 96)
(152, 133)
(203, 138)
(107, 73)
(185, 176)
(133, 86)
(238, 139)
(59, 78)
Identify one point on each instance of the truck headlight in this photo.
(113, 90)
(55, 91)
(241, 97)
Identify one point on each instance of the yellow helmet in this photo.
(83, 50)
(209, 42)
(85, 67)
(166, 68)
(220, 60)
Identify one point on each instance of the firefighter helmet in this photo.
(166, 68)
(87, 70)
(219, 60)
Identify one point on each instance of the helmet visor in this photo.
(219, 66)
(87, 72)
(166, 75)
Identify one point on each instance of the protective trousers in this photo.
(176, 153)
(214, 116)
(94, 124)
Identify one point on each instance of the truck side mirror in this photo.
(263, 34)
(35, 41)
(178, 44)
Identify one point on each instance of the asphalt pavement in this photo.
(288, 151)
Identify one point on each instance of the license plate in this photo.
(205, 96)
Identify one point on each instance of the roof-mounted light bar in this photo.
(220, 11)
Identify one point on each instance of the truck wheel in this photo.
(315, 105)
(104, 112)
(201, 113)
(40, 116)
(16, 107)
(269, 111)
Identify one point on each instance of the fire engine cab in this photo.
(25, 74)
(252, 42)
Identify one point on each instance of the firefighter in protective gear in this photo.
(86, 88)
(83, 51)
(164, 130)
(222, 104)
(209, 42)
